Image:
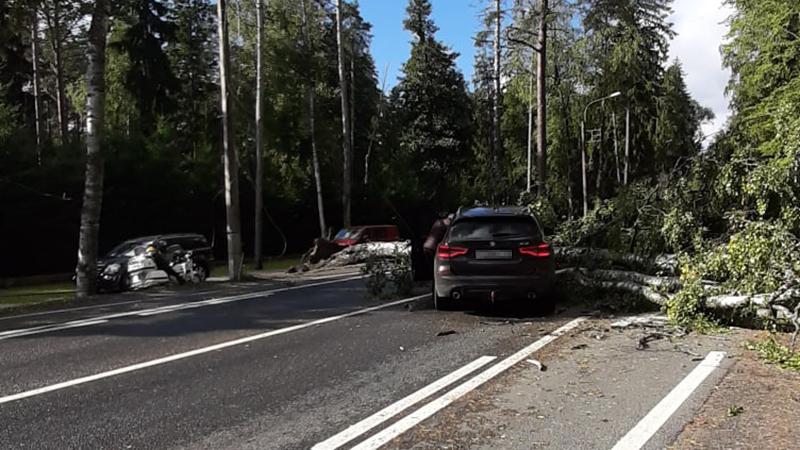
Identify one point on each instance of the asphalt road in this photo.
(262, 367)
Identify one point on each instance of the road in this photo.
(268, 366)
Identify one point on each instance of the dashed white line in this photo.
(411, 420)
(397, 407)
(638, 436)
(160, 310)
(199, 351)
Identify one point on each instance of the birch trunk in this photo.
(86, 271)
(541, 94)
(616, 147)
(496, 112)
(231, 162)
(36, 100)
(312, 122)
(259, 227)
(530, 127)
(346, 144)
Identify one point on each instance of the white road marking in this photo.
(655, 419)
(392, 410)
(161, 309)
(200, 351)
(408, 422)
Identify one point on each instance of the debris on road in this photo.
(445, 333)
(542, 367)
(326, 254)
(645, 321)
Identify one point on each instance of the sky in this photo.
(699, 25)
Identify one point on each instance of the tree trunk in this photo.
(530, 127)
(231, 162)
(496, 111)
(627, 145)
(54, 23)
(541, 99)
(36, 100)
(583, 169)
(259, 144)
(86, 270)
(346, 145)
(616, 147)
(312, 106)
(352, 79)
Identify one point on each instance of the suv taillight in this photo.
(537, 251)
(447, 252)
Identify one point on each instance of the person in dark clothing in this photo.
(436, 234)
(156, 251)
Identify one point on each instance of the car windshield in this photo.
(494, 228)
(125, 249)
(346, 233)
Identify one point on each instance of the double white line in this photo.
(436, 405)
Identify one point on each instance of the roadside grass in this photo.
(270, 264)
(772, 351)
(42, 293)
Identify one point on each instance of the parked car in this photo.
(113, 269)
(494, 254)
(367, 233)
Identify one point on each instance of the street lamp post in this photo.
(583, 147)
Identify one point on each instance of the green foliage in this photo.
(389, 277)
(773, 352)
(754, 260)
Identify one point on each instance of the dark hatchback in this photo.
(112, 269)
(494, 254)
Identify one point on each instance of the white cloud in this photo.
(701, 27)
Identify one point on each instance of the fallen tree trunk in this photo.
(632, 282)
(598, 257)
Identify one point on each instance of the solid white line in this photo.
(392, 410)
(655, 419)
(164, 309)
(200, 351)
(408, 422)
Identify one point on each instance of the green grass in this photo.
(773, 352)
(283, 263)
(27, 295)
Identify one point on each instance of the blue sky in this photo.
(458, 20)
(699, 24)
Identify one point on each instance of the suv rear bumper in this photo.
(504, 287)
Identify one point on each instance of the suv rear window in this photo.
(495, 228)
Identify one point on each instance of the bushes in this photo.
(389, 277)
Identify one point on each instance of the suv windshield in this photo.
(495, 228)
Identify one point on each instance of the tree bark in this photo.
(36, 97)
(541, 99)
(259, 144)
(86, 271)
(231, 163)
(626, 169)
(583, 170)
(346, 144)
(54, 24)
(497, 100)
(530, 127)
(312, 106)
(616, 147)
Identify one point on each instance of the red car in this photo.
(367, 233)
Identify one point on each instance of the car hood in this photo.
(108, 260)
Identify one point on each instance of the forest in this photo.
(574, 108)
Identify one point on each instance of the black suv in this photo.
(112, 269)
(494, 254)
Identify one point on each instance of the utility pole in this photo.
(230, 158)
(259, 224)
